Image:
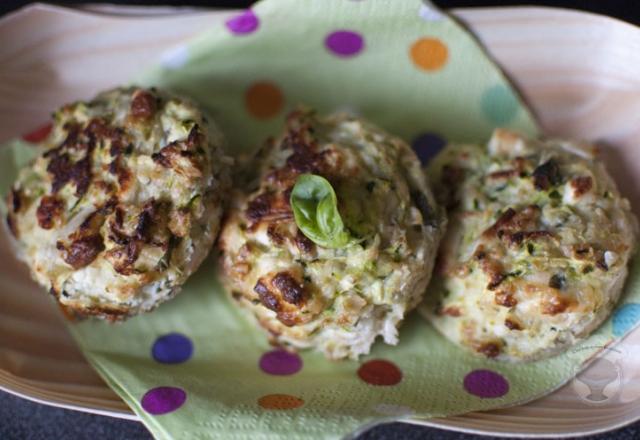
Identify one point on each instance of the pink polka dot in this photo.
(243, 23)
(380, 372)
(486, 384)
(280, 363)
(163, 400)
(344, 43)
(39, 134)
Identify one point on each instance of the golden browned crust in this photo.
(537, 248)
(337, 300)
(122, 187)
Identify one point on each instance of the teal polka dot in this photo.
(499, 104)
(625, 318)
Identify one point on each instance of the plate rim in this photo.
(458, 14)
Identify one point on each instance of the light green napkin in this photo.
(194, 368)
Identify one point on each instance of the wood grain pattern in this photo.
(579, 72)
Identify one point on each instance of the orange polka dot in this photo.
(280, 401)
(380, 372)
(429, 53)
(263, 100)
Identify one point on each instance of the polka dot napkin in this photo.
(405, 65)
(194, 368)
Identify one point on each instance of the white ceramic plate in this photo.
(579, 72)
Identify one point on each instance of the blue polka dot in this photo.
(427, 146)
(499, 104)
(172, 348)
(625, 318)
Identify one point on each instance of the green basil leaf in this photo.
(315, 209)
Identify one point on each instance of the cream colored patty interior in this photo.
(537, 248)
(334, 300)
(123, 202)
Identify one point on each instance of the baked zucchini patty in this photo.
(123, 202)
(338, 283)
(537, 248)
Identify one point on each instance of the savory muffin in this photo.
(335, 240)
(123, 202)
(537, 248)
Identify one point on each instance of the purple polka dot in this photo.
(172, 348)
(344, 43)
(280, 363)
(243, 23)
(427, 146)
(163, 400)
(486, 384)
